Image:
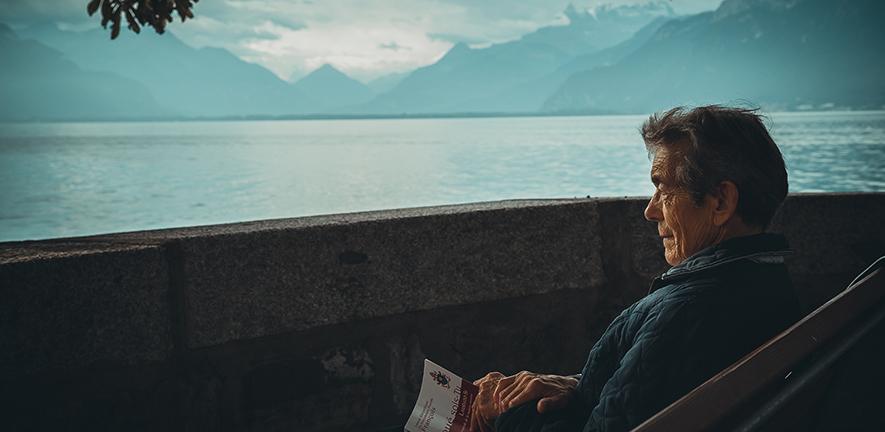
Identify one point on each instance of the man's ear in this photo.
(726, 202)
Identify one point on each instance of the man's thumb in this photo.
(551, 403)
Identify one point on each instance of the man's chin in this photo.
(672, 257)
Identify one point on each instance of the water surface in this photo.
(67, 179)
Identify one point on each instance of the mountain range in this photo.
(38, 82)
(185, 81)
(499, 77)
(780, 54)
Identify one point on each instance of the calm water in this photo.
(67, 179)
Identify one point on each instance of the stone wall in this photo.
(322, 323)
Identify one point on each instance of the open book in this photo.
(444, 403)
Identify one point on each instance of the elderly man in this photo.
(719, 179)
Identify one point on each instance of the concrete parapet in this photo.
(321, 323)
(834, 237)
(64, 311)
(250, 285)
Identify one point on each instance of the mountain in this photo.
(469, 80)
(192, 82)
(781, 54)
(37, 83)
(331, 89)
(387, 82)
(613, 54)
(530, 96)
(465, 74)
(598, 28)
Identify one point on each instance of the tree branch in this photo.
(138, 13)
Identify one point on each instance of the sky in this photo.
(364, 38)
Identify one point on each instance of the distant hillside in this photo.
(782, 54)
(331, 89)
(195, 82)
(530, 96)
(599, 28)
(468, 79)
(37, 83)
(464, 74)
(385, 83)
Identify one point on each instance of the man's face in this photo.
(684, 227)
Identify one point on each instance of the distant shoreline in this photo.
(383, 116)
(287, 117)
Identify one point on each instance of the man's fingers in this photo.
(491, 376)
(529, 392)
(484, 427)
(552, 403)
(504, 383)
(476, 420)
(518, 384)
(505, 386)
(528, 389)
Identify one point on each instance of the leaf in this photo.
(106, 13)
(133, 25)
(140, 13)
(160, 25)
(184, 9)
(93, 6)
(115, 29)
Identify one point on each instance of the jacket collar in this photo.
(765, 247)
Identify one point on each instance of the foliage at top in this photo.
(138, 13)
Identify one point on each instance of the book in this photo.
(444, 402)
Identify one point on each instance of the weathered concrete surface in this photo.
(249, 285)
(322, 323)
(67, 311)
(834, 237)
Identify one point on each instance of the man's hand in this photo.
(498, 393)
(484, 409)
(554, 391)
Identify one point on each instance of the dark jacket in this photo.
(698, 318)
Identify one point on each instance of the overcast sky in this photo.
(363, 38)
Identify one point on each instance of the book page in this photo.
(444, 402)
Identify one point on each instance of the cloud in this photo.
(359, 50)
(363, 38)
(393, 46)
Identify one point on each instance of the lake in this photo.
(71, 179)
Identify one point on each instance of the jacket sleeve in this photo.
(601, 361)
(650, 375)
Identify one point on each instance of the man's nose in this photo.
(653, 209)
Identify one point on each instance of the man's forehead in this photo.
(660, 167)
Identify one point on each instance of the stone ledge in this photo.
(76, 310)
(256, 284)
(255, 279)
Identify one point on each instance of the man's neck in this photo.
(737, 228)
